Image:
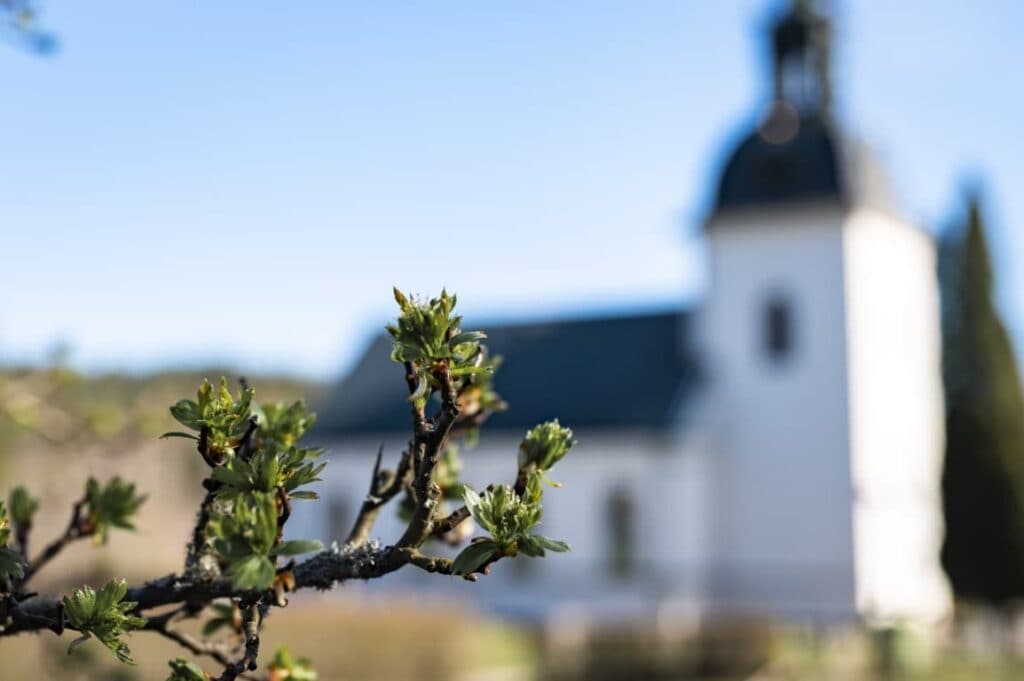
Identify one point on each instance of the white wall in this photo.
(896, 417)
(782, 539)
(665, 483)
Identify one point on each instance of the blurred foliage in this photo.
(183, 670)
(287, 667)
(11, 563)
(983, 474)
(61, 409)
(109, 506)
(23, 508)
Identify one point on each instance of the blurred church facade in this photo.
(774, 451)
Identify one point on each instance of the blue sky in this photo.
(187, 183)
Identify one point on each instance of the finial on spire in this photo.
(801, 54)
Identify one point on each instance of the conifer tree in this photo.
(983, 473)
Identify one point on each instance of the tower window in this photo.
(620, 516)
(339, 518)
(778, 329)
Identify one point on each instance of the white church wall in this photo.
(662, 483)
(896, 417)
(782, 532)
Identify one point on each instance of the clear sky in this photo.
(187, 183)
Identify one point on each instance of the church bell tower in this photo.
(821, 334)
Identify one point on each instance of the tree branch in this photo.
(251, 628)
(162, 626)
(425, 492)
(77, 529)
(443, 526)
(322, 571)
(384, 485)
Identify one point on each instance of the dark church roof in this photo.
(630, 371)
(815, 163)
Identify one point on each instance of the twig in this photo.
(162, 626)
(384, 485)
(77, 528)
(251, 629)
(425, 491)
(448, 523)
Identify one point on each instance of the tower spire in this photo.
(801, 59)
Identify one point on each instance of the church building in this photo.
(774, 450)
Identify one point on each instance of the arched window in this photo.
(621, 524)
(777, 328)
(339, 518)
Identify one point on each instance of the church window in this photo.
(339, 518)
(621, 524)
(778, 328)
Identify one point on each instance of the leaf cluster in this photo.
(244, 535)
(12, 566)
(255, 481)
(269, 470)
(428, 333)
(110, 505)
(283, 424)
(103, 615)
(544, 446)
(223, 418)
(508, 518)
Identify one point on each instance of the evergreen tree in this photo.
(983, 474)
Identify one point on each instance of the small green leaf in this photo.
(296, 547)
(187, 413)
(178, 433)
(231, 477)
(473, 557)
(529, 546)
(466, 337)
(551, 544)
(306, 495)
(252, 572)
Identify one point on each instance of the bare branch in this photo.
(443, 526)
(251, 629)
(162, 626)
(384, 485)
(77, 528)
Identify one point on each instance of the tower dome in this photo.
(797, 152)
